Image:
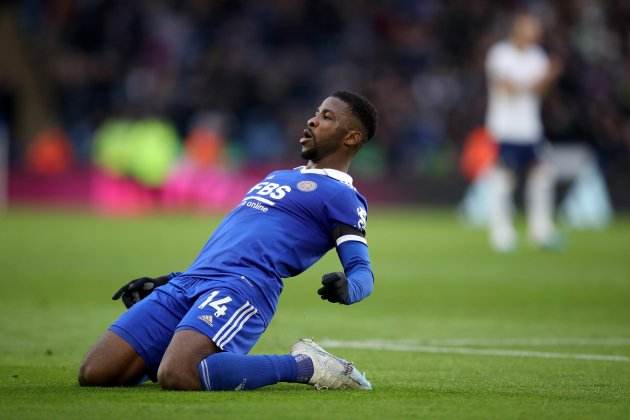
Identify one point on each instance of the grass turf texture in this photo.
(435, 280)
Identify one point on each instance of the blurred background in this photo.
(131, 106)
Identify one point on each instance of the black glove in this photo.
(335, 288)
(136, 290)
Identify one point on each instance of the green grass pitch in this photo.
(451, 331)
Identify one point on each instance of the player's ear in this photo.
(353, 138)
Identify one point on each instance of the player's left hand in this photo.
(334, 288)
(137, 289)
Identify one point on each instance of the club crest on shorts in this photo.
(206, 318)
(307, 186)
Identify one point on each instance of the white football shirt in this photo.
(515, 117)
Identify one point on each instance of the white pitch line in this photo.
(407, 347)
(529, 342)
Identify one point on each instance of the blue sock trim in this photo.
(204, 375)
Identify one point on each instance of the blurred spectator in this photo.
(479, 153)
(49, 153)
(144, 150)
(205, 143)
(133, 158)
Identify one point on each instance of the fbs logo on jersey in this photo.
(270, 189)
(207, 319)
(307, 186)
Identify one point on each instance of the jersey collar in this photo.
(332, 173)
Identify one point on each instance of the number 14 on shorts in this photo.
(218, 305)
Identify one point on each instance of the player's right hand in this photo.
(137, 289)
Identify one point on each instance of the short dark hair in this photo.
(360, 108)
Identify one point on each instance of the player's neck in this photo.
(339, 165)
(520, 44)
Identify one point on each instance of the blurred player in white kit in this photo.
(519, 72)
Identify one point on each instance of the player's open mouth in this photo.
(308, 135)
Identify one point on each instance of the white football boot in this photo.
(329, 371)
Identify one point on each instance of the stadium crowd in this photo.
(260, 65)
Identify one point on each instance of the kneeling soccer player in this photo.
(193, 330)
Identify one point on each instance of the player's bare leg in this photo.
(540, 201)
(111, 362)
(502, 232)
(178, 369)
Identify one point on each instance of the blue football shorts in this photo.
(215, 308)
(519, 157)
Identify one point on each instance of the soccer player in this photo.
(194, 330)
(519, 72)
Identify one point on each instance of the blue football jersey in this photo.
(283, 225)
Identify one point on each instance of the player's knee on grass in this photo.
(178, 369)
(92, 373)
(87, 377)
(178, 378)
(111, 362)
